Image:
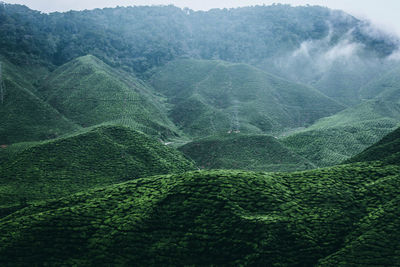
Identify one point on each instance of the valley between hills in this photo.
(148, 136)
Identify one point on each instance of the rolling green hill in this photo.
(96, 157)
(244, 152)
(92, 104)
(337, 70)
(340, 53)
(336, 138)
(386, 150)
(386, 87)
(209, 97)
(24, 116)
(216, 218)
(343, 80)
(89, 92)
(9, 151)
(376, 241)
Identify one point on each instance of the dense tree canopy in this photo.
(142, 37)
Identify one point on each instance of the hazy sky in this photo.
(385, 13)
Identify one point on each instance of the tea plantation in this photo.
(98, 157)
(216, 218)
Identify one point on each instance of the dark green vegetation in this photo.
(376, 241)
(93, 102)
(210, 97)
(89, 92)
(135, 42)
(244, 152)
(38, 105)
(101, 156)
(328, 49)
(325, 216)
(143, 37)
(386, 150)
(334, 139)
(24, 116)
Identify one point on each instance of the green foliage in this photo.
(386, 87)
(375, 242)
(209, 97)
(89, 92)
(386, 150)
(215, 218)
(9, 151)
(24, 116)
(140, 38)
(344, 78)
(97, 157)
(336, 138)
(81, 199)
(244, 152)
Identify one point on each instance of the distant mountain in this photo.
(344, 79)
(386, 150)
(329, 50)
(95, 157)
(322, 217)
(25, 116)
(244, 152)
(143, 37)
(385, 87)
(336, 138)
(339, 67)
(209, 97)
(89, 92)
(95, 101)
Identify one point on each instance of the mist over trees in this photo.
(139, 38)
(277, 98)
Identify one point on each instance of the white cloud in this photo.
(343, 50)
(395, 56)
(323, 53)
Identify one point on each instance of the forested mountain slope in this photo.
(244, 152)
(25, 116)
(321, 217)
(210, 97)
(314, 45)
(386, 150)
(150, 35)
(336, 138)
(385, 87)
(264, 88)
(89, 92)
(95, 157)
